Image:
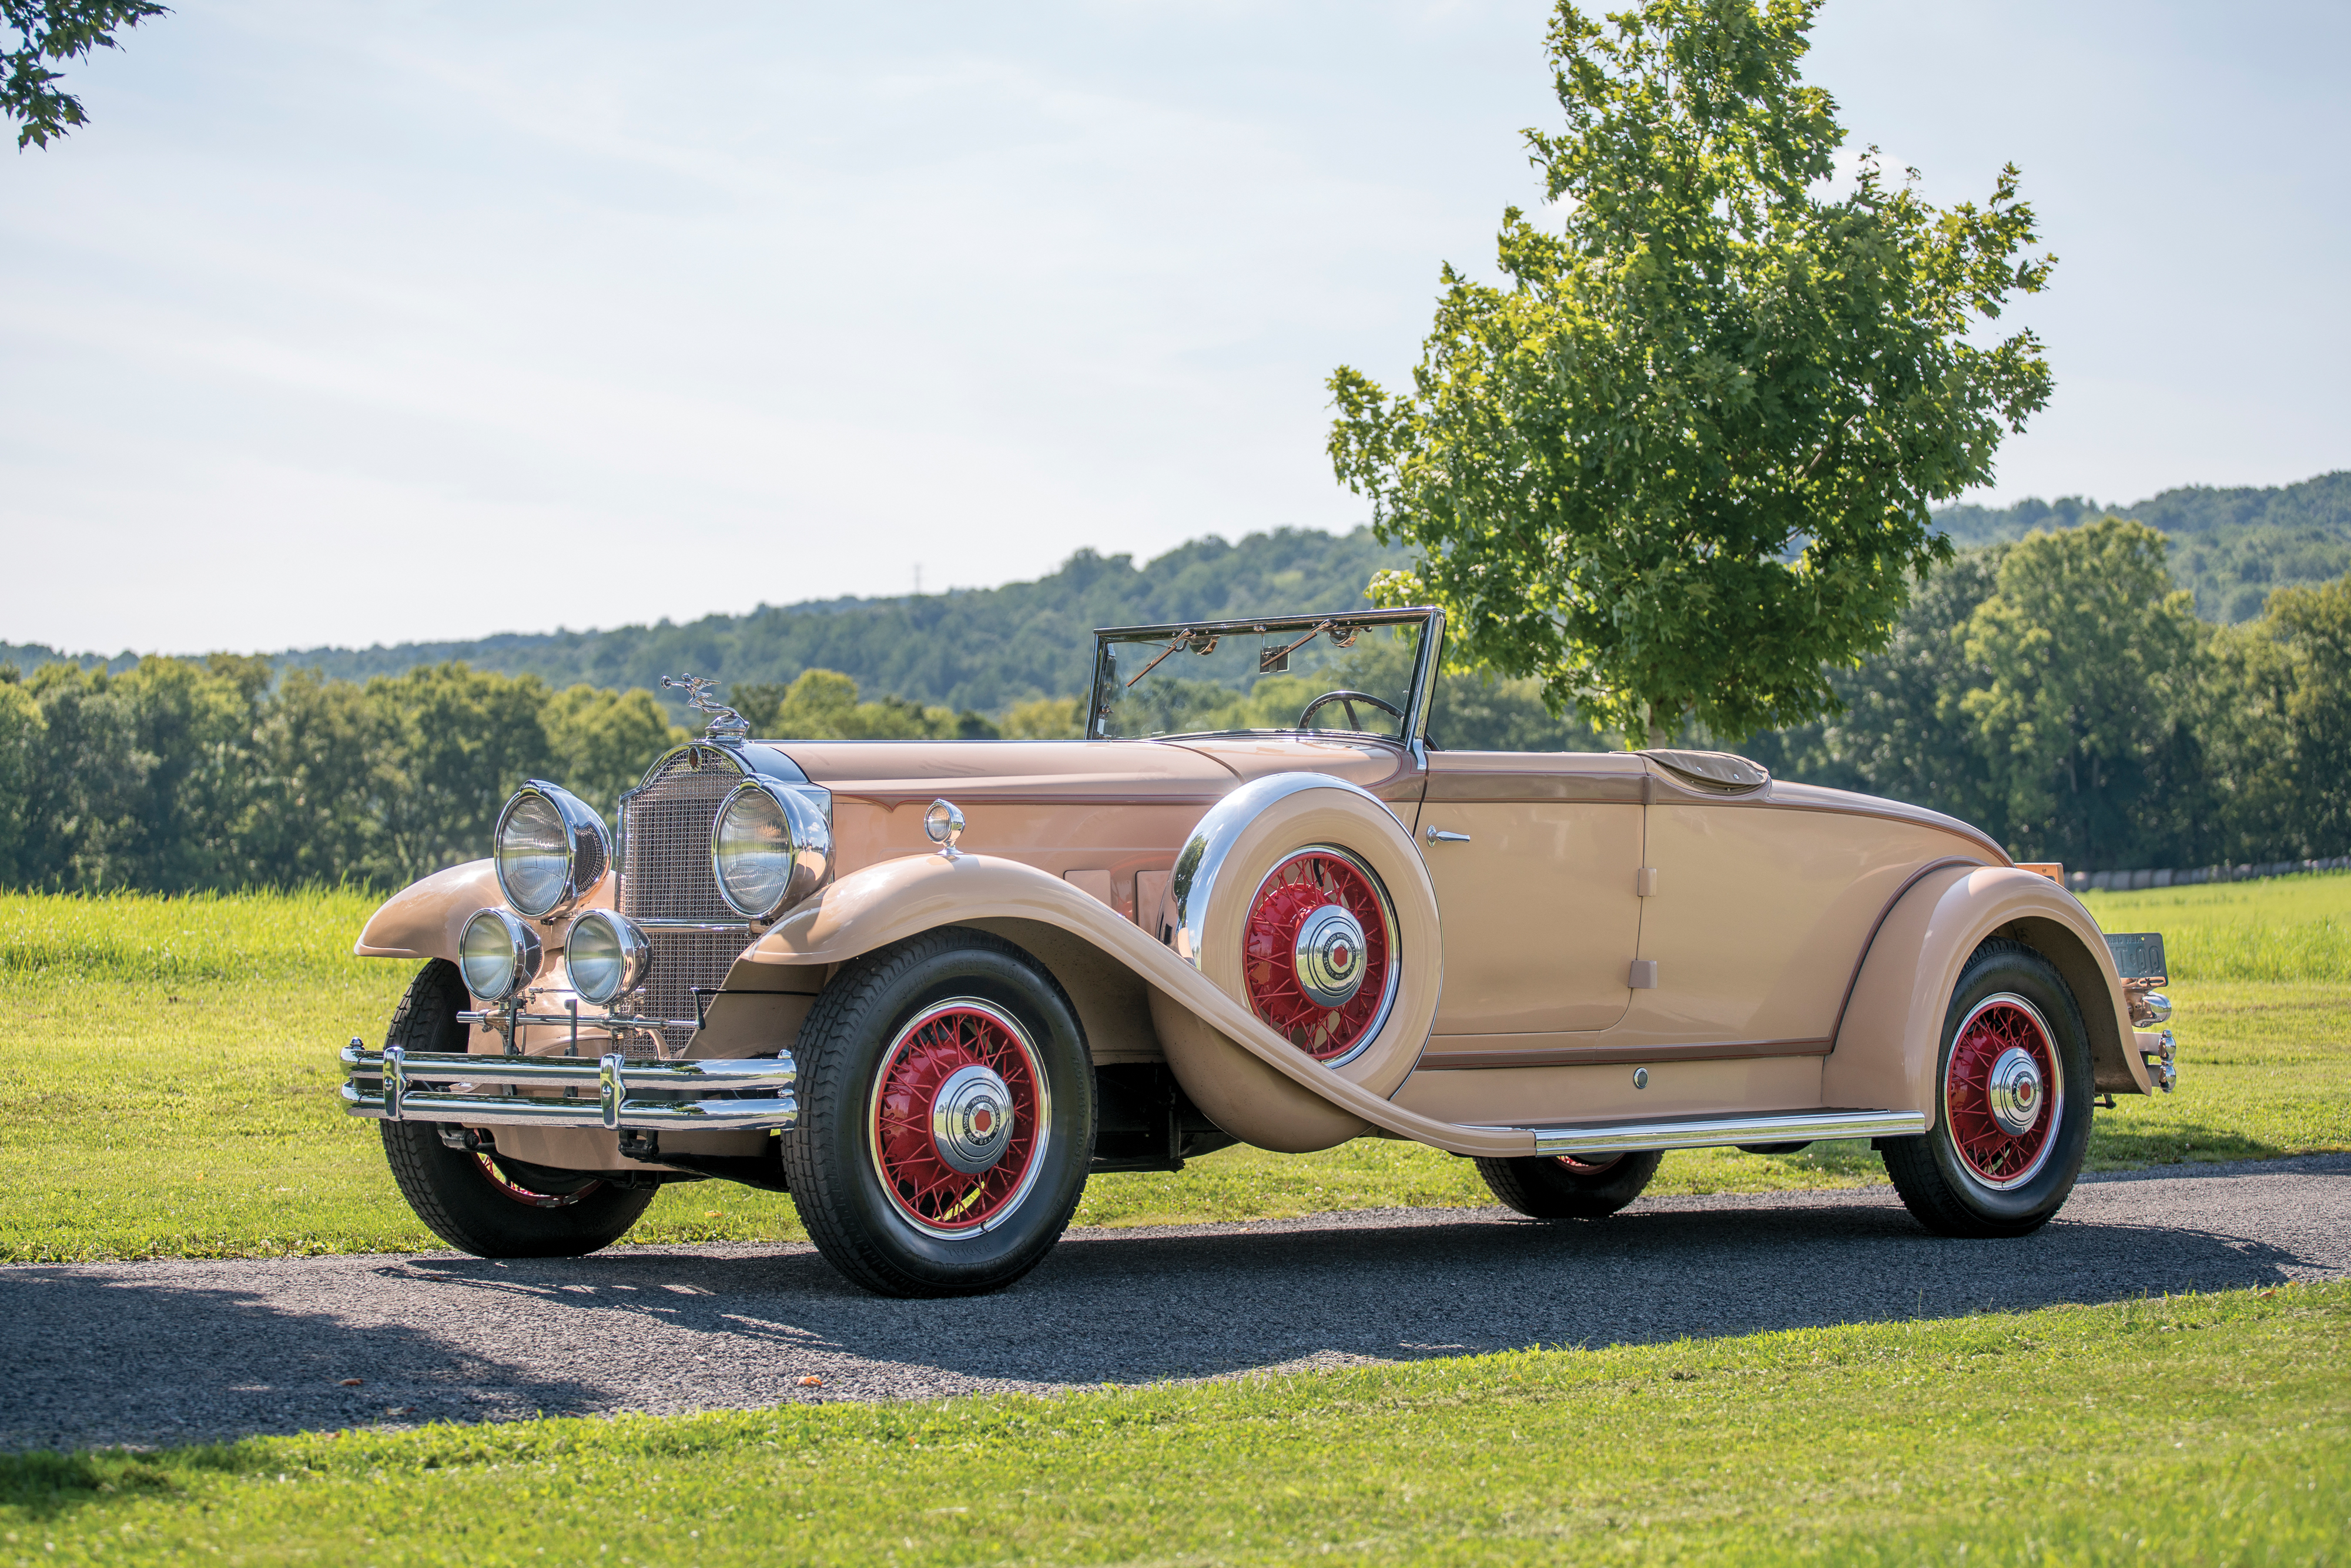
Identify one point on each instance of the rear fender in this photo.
(1132, 994)
(1889, 1040)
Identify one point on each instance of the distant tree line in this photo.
(2058, 690)
(2230, 547)
(2061, 692)
(183, 774)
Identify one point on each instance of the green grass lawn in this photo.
(2196, 1429)
(168, 1079)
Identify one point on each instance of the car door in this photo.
(1535, 858)
(1763, 902)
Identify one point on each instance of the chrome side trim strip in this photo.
(1712, 1132)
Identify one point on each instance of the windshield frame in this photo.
(1424, 671)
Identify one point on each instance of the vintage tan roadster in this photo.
(927, 987)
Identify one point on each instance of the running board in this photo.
(1712, 1132)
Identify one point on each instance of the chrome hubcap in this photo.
(971, 1119)
(2015, 1090)
(1328, 957)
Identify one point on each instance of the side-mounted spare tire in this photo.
(1301, 896)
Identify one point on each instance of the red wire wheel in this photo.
(960, 1119)
(2003, 1092)
(1323, 980)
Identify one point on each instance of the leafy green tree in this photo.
(2288, 695)
(1680, 463)
(21, 727)
(458, 741)
(1046, 718)
(2245, 718)
(822, 704)
(56, 30)
(2090, 662)
(335, 776)
(603, 741)
(1900, 730)
(141, 779)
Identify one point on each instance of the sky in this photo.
(345, 324)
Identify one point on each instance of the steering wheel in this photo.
(1348, 700)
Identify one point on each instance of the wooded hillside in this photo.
(990, 649)
(2228, 548)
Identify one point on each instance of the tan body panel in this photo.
(1122, 810)
(904, 897)
(1388, 772)
(1594, 1092)
(1889, 1040)
(1806, 941)
(1762, 912)
(1540, 908)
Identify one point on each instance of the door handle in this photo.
(1442, 836)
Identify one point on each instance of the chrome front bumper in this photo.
(753, 1093)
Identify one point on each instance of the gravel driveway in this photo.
(162, 1353)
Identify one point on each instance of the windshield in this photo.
(1350, 674)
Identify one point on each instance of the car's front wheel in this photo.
(1557, 1187)
(947, 1116)
(476, 1200)
(2014, 1117)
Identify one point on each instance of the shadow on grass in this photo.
(182, 1353)
(2118, 1146)
(42, 1486)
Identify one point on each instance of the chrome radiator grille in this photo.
(665, 840)
(665, 877)
(683, 960)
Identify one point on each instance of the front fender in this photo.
(425, 919)
(1228, 1060)
(1889, 1040)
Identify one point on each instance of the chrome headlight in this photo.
(551, 849)
(768, 848)
(606, 955)
(498, 954)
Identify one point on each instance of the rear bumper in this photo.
(753, 1093)
(2160, 1053)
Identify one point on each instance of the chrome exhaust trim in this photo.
(1713, 1132)
(478, 1090)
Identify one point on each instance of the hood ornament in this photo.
(726, 724)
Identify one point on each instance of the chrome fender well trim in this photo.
(1193, 884)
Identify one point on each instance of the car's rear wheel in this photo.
(947, 1116)
(1559, 1188)
(2013, 1120)
(475, 1201)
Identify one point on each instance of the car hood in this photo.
(1202, 769)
